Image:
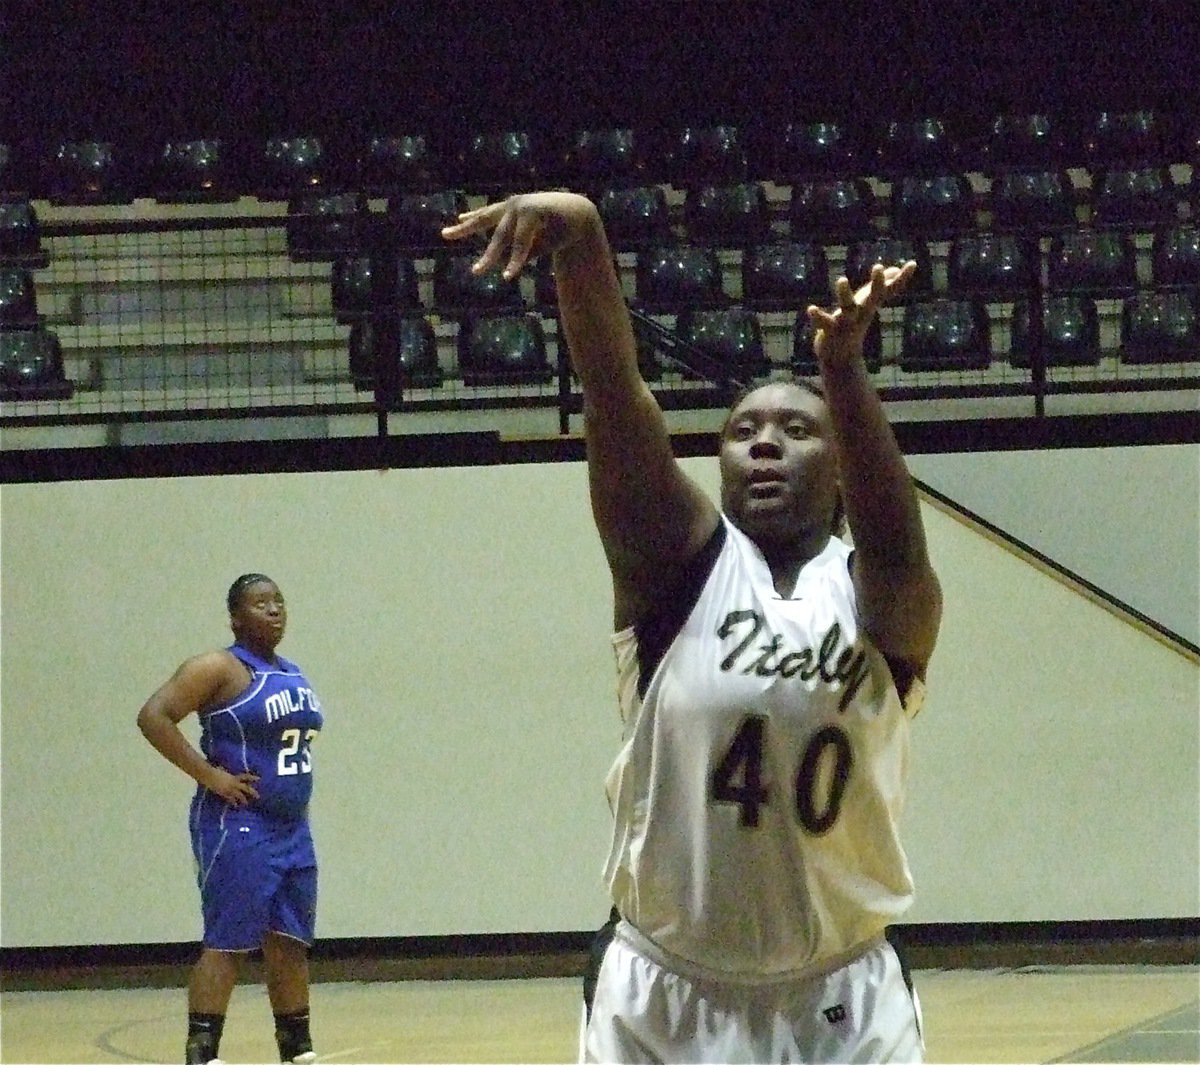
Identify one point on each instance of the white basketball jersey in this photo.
(757, 793)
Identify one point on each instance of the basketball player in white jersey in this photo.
(767, 677)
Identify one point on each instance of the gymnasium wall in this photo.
(455, 623)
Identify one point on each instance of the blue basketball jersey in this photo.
(267, 730)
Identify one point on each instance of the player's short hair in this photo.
(233, 598)
(776, 377)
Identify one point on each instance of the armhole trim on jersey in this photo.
(659, 627)
(908, 682)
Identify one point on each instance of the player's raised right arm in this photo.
(651, 517)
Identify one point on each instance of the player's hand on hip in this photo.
(236, 789)
(840, 332)
(525, 227)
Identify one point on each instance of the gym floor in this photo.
(1048, 1013)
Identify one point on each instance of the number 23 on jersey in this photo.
(294, 758)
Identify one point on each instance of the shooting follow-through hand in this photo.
(840, 332)
(525, 227)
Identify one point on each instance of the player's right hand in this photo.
(235, 789)
(524, 227)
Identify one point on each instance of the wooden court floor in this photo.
(1072, 1013)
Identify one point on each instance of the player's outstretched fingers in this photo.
(845, 295)
(474, 221)
(820, 318)
(525, 234)
(897, 283)
(496, 247)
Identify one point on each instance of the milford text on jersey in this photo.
(289, 701)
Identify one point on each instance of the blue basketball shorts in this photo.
(256, 875)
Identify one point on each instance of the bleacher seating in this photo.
(946, 334)
(504, 349)
(194, 170)
(391, 352)
(1070, 333)
(208, 267)
(732, 336)
(1158, 327)
(730, 216)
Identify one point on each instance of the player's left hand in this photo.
(840, 332)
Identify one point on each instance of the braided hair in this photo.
(233, 597)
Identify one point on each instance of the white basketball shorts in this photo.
(648, 1008)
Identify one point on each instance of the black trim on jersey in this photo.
(903, 673)
(595, 957)
(660, 626)
(897, 943)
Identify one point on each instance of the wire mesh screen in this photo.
(183, 316)
(215, 319)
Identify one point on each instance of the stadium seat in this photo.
(1099, 262)
(89, 172)
(457, 290)
(832, 209)
(936, 207)
(804, 359)
(506, 349)
(996, 265)
(730, 335)
(394, 351)
(1032, 200)
(1127, 137)
(287, 166)
(21, 235)
(498, 161)
(373, 284)
(1145, 197)
(606, 158)
(635, 216)
(1070, 333)
(1022, 141)
(194, 170)
(921, 145)
(1175, 256)
(706, 155)
(945, 334)
(862, 255)
(327, 227)
(671, 278)
(788, 275)
(807, 150)
(414, 220)
(1161, 327)
(727, 215)
(391, 164)
(18, 298)
(31, 365)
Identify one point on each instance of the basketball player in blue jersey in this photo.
(255, 862)
(767, 674)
